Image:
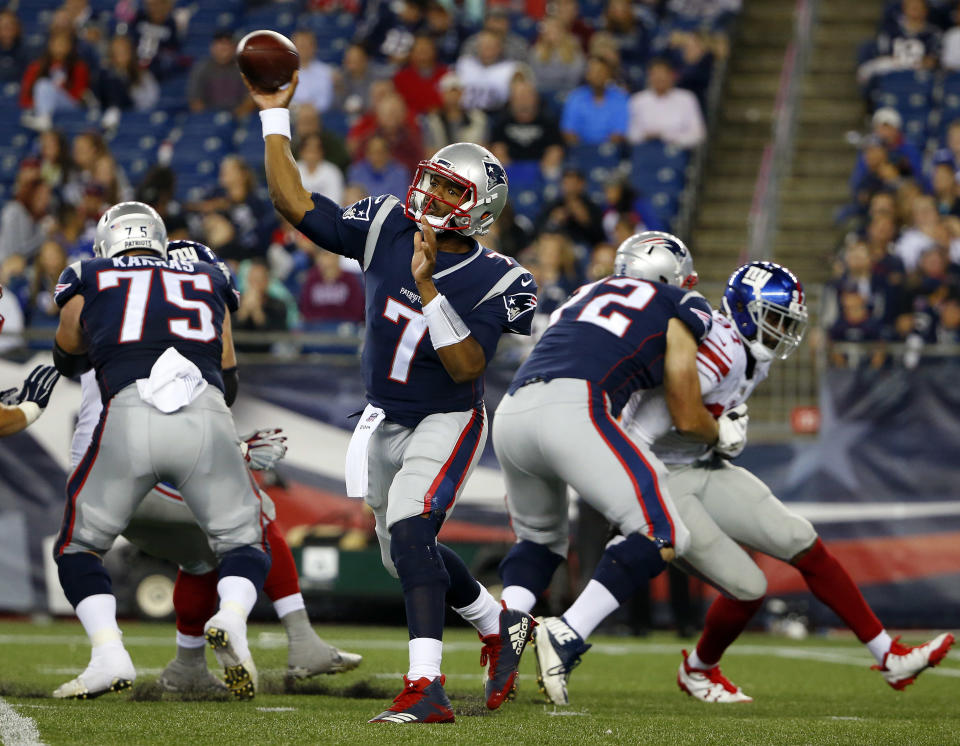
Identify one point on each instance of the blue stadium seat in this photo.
(139, 123)
(903, 90)
(248, 144)
(173, 94)
(74, 123)
(205, 124)
(280, 17)
(655, 167)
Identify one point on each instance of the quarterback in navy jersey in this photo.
(436, 305)
(558, 426)
(157, 333)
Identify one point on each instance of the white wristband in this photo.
(31, 410)
(275, 122)
(445, 325)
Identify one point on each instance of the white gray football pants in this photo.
(548, 435)
(420, 470)
(135, 446)
(724, 506)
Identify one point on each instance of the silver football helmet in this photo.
(468, 166)
(128, 226)
(656, 256)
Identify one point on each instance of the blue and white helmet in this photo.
(656, 256)
(768, 308)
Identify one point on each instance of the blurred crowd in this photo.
(105, 100)
(897, 276)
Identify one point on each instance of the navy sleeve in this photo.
(694, 311)
(69, 284)
(343, 231)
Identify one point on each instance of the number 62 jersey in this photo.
(402, 372)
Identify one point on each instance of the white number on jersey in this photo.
(135, 306)
(138, 293)
(413, 331)
(173, 290)
(616, 323)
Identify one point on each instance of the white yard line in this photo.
(17, 729)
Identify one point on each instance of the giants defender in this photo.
(164, 527)
(437, 303)
(557, 427)
(764, 316)
(157, 333)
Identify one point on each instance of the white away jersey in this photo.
(722, 365)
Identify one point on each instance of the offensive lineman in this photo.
(164, 527)
(158, 335)
(557, 425)
(723, 505)
(436, 305)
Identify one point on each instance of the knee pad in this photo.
(246, 562)
(529, 565)
(82, 574)
(415, 555)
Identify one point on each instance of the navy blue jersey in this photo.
(135, 307)
(402, 372)
(613, 333)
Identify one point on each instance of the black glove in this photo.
(38, 386)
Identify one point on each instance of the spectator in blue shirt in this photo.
(379, 172)
(596, 112)
(903, 154)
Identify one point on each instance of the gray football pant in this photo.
(135, 447)
(418, 470)
(724, 506)
(550, 435)
(163, 527)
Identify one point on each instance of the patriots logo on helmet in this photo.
(519, 304)
(673, 246)
(495, 174)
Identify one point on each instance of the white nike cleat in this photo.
(902, 663)
(558, 648)
(313, 656)
(709, 685)
(107, 672)
(226, 633)
(182, 678)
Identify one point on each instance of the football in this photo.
(267, 59)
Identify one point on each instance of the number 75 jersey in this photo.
(613, 333)
(135, 307)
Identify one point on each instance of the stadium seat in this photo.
(173, 94)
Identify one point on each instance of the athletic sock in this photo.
(297, 626)
(425, 656)
(194, 601)
(483, 614)
(98, 615)
(879, 646)
(283, 580)
(518, 597)
(726, 619)
(288, 604)
(592, 606)
(830, 582)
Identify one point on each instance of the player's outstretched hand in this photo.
(424, 252)
(264, 448)
(279, 99)
(733, 432)
(38, 386)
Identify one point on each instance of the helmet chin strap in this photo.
(760, 351)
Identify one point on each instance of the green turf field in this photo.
(819, 691)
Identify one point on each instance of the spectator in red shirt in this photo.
(391, 120)
(329, 293)
(57, 81)
(418, 81)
